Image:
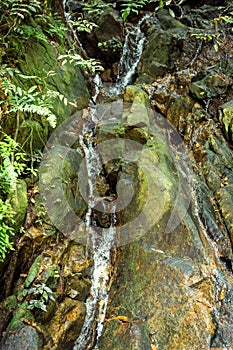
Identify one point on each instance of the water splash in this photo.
(131, 54)
(96, 304)
(102, 244)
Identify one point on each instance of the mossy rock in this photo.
(108, 130)
(19, 202)
(110, 25)
(211, 86)
(41, 60)
(23, 338)
(167, 21)
(134, 94)
(226, 118)
(225, 201)
(33, 134)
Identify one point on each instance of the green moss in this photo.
(33, 271)
(19, 202)
(41, 60)
(21, 312)
(226, 117)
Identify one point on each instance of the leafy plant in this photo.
(130, 6)
(53, 27)
(13, 161)
(13, 12)
(6, 231)
(223, 19)
(40, 294)
(12, 164)
(82, 25)
(95, 8)
(19, 18)
(207, 37)
(15, 99)
(27, 32)
(113, 45)
(91, 64)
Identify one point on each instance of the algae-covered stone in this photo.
(34, 271)
(22, 338)
(225, 201)
(136, 118)
(167, 21)
(135, 94)
(41, 60)
(155, 56)
(68, 319)
(110, 25)
(162, 285)
(226, 118)
(110, 129)
(211, 86)
(19, 202)
(166, 50)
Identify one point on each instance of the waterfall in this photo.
(131, 54)
(102, 243)
(68, 19)
(96, 304)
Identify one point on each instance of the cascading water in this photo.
(131, 54)
(68, 21)
(96, 304)
(102, 244)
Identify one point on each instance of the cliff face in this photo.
(171, 276)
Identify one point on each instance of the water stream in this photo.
(68, 21)
(101, 240)
(130, 57)
(102, 244)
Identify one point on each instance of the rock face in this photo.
(173, 279)
(173, 290)
(170, 285)
(24, 337)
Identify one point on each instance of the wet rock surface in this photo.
(172, 289)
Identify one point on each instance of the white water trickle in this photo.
(98, 84)
(96, 304)
(101, 240)
(130, 57)
(68, 21)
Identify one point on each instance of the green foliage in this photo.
(16, 100)
(52, 26)
(17, 10)
(27, 32)
(26, 101)
(19, 21)
(91, 64)
(39, 295)
(113, 45)
(207, 37)
(6, 231)
(13, 161)
(82, 25)
(32, 101)
(40, 214)
(95, 8)
(131, 6)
